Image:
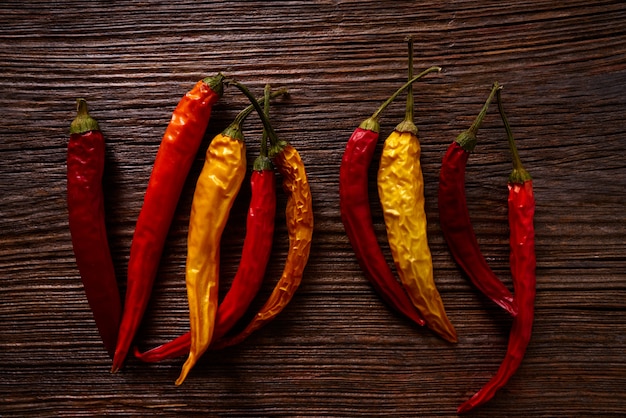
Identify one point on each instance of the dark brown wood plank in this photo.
(337, 349)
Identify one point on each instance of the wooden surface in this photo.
(337, 349)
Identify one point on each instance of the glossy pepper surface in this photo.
(85, 203)
(454, 216)
(256, 250)
(356, 212)
(217, 187)
(175, 156)
(521, 205)
(401, 193)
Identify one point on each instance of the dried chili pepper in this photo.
(401, 192)
(217, 187)
(299, 216)
(254, 258)
(454, 216)
(175, 156)
(521, 204)
(85, 203)
(356, 213)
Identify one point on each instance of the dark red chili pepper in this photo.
(455, 219)
(356, 213)
(85, 203)
(175, 156)
(254, 258)
(521, 204)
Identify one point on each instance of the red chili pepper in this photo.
(521, 204)
(356, 213)
(176, 154)
(254, 258)
(256, 250)
(299, 215)
(85, 203)
(455, 219)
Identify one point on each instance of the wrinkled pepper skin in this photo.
(401, 193)
(521, 204)
(217, 187)
(357, 220)
(458, 232)
(299, 217)
(247, 282)
(85, 203)
(175, 156)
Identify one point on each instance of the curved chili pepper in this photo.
(85, 204)
(299, 216)
(175, 156)
(521, 203)
(401, 193)
(254, 258)
(217, 187)
(356, 213)
(455, 221)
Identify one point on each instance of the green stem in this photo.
(262, 162)
(277, 145)
(519, 174)
(467, 139)
(83, 121)
(266, 111)
(371, 123)
(215, 83)
(407, 125)
(479, 119)
(234, 130)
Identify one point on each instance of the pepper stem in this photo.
(467, 139)
(407, 124)
(83, 121)
(215, 83)
(371, 123)
(266, 111)
(277, 145)
(234, 130)
(262, 162)
(519, 174)
(479, 119)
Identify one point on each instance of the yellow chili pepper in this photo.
(219, 182)
(401, 192)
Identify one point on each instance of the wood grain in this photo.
(337, 349)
